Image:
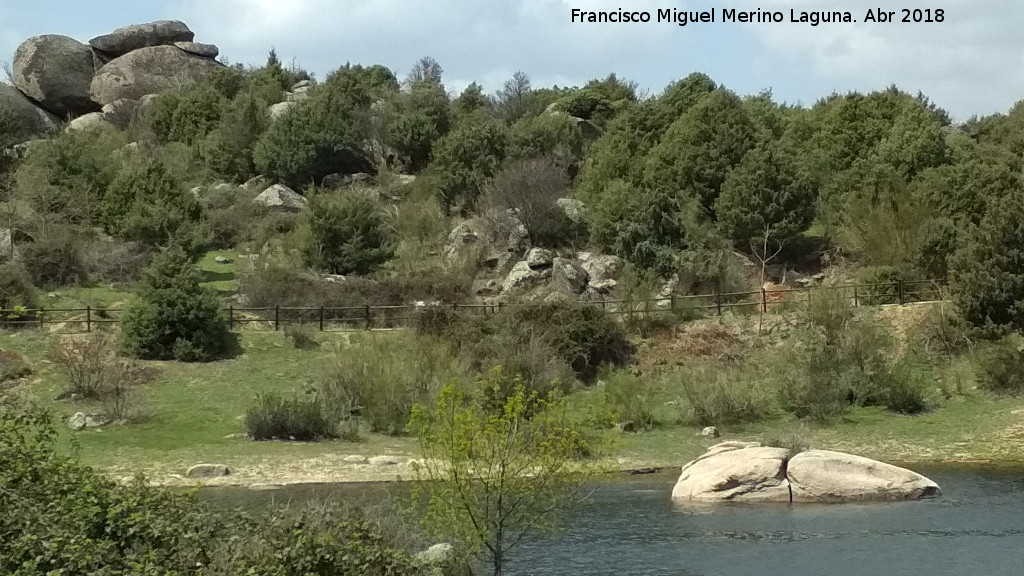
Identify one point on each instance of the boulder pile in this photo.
(58, 78)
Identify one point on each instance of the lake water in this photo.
(632, 528)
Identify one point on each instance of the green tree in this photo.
(422, 119)
(987, 272)
(467, 158)
(471, 100)
(347, 235)
(228, 150)
(322, 136)
(173, 317)
(697, 152)
(554, 136)
(490, 479)
(146, 204)
(766, 196)
(651, 229)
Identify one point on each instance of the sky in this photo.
(970, 64)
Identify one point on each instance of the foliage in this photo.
(12, 366)
(319, 137)
(172, 316)
(275, 418)
(347, 235)
(466, 158)
(631, 400)
(1001, 367)
(530, 190)
(490, 479)
(881, 285)
(652, 230)
(379, 380)
(228, 149)
(718, 395)
(765, 196)
(56, 259)
(15, 287)
(422, 118)
(148, 205)
(555, 136)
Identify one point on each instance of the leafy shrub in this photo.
(583, 335)
(173, 316)
(883, 285)
(275, 418)
(1001, 367)
(905, 386)
(16, 288)
(55, 260)
(466, 158)
(630, 399)
(347, 235)
(816, 386)
(380, 379)
(436, 320)
(720, 395)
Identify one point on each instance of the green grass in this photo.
(220, 277)
(195, 415)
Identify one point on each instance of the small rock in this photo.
(405, 179)
(302, 85)
(81, 421)
(223, 260)
(91, 121)
(384, 461)
(197, 192)
(710, 432)
(355, 459)
(574, 209)
(208, 471)
(539, 258)
(204, 50)
(256, 183)
(281, 198)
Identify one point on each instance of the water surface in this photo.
(632, 528)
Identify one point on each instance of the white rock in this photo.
(601, 268)
(539, 258)
(710, 432)
(91, 121)
(755, 474)
(355, 459)
(523, 277)
(436, 554)
(568, 276)
(281, 198)
(824, 476)
(385, 461)
(280, 109)
(208, 471)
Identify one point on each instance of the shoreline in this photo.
(402, 474)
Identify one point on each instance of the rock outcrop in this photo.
(749, 472)
(148, 71)
(208, 471)
(55, 71)
(31, 119)
(280, 198)
(130, 38)
(199, 49)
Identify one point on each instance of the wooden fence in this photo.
(368, 317)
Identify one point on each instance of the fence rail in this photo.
(369, 317)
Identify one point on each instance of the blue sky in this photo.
(973, 63)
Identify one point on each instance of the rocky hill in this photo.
(58, 78)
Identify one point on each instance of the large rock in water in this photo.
(55, 71)
(30, 120)
(749, 472)
(148, 71)
(735, 471)
(823, 476)
(129, 38)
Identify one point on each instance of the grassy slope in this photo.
(195, 414)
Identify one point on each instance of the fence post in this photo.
(321, 318)
(41, 313)
(231, 318)
(369, 318)
(718, 301)
(856, 300)
(673, 303)
(88, 318)
(277, 318)
(764, 300)
(903, 299)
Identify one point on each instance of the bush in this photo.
(584, 336)
(529, 189)
(904, 387)
(720, 395)
(380, 379)
(466, 158)
(13, 366)
(631, 401)
(94, 372)
(173, 316)
(275, 418)
(883, 285)
(301, 337)
(55, 260)
(16, 288)
(1001, 367)
(816, 386)
(347, 235)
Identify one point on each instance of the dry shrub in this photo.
(705, 341)
(95, 372)
(529, 190)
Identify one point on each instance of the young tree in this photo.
(347, 235)
(530, 189)
(487, 480)
(471, 100)
(173, 316)
(466, 159)
(512, 99)
(426, 70)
